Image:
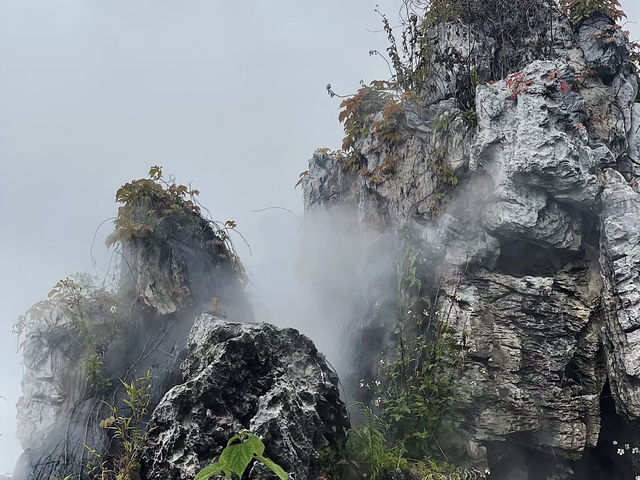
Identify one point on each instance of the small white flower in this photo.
(377, 402)
(615, 442)
(362, 383)
(635, 451)
(626, 446)
(113, 309)
(378, 383)
(487, 471)
(621, 451)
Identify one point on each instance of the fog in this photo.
(227, 95)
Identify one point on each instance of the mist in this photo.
(228, 96)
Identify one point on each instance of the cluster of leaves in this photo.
(364, 451)
(157, 205)
(357, 111)
(129, 431)
(378, 110)
(91, 310)
(147, 202)
(420, 391)
(579, 10)
(241, 450)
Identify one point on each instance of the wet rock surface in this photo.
(240, 376)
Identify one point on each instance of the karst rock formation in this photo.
(534, 248)
(508, 175)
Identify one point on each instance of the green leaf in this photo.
(236, 457)
(256, 444)
(275, 468)
(209, 471)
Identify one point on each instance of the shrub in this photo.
(93, 312)
(579, 10)
(129, 432)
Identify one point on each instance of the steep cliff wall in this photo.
(524, 206)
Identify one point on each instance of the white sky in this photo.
(227, 94)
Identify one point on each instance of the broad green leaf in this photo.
(209, 471)
(275, 468)
(236, 457)
(256, 444)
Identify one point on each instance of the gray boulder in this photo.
(245, 376)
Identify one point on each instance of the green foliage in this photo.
(147, 201)
(129, 432)
(93, 312)
(364, 451)
(420, 390)
(358, 111)
(94, 369)
(234, 460)
(579, 10)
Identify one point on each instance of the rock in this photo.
(620, 260)
(532, 362)
(530, 139)
(273, 382)
(327, 181)
(183, 266)
(166, 280)
(534, 252)
(606, 50)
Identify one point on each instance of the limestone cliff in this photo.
(525, 205)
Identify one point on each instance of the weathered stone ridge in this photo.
(535, 252)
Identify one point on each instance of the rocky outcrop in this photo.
(240, 376)
(79, 343)
(620, 260)
(533, 249)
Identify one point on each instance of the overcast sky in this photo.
(226, 94)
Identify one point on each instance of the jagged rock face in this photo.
(59, 413)
(142, 327)
(620, 259)
(536, 249)
(240, 376)
(54, 381)
(185, 265)
(532, 362)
